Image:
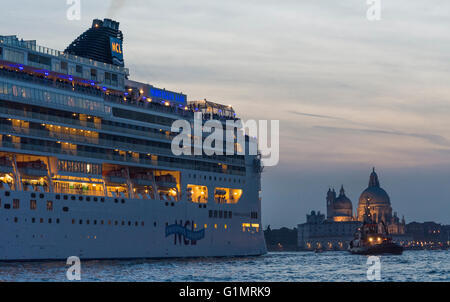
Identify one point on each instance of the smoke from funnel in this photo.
(115, 7)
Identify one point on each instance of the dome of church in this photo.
(374, 194)
(343, 202)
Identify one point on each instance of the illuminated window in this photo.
(227, 195)
(245, 226)
(32, 204)
(49, 205)
(197, 194)
(16, 204)
(250, 227)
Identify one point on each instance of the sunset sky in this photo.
(350, 94)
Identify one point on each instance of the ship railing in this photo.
(151, 106)
(60, 54)
(41, 80)
(79, 192)
(155, 105)
(42, 97)
(95, 127)
(108, 143)
(75, 122)
(126, 159)
(118, 99)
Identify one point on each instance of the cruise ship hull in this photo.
(45, 235)
(91, 162)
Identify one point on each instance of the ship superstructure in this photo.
(86, 167)
(370, 240)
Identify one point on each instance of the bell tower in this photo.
(331, 197)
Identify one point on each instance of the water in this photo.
(295, 266)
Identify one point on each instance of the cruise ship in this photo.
(87, 170)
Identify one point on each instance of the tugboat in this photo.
(369, 241)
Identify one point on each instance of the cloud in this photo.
(317, 115)
(432, 138)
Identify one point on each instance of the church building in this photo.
(337, 229)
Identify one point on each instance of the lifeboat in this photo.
(33, 168)
(166, 181)
(142, 179)
(6, 165)
(116, 177)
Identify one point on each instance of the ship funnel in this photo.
(102, 42)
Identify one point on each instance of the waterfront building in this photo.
(338, 228)
(428, 235)
(379, 203)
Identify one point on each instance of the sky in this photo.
(350, 94)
